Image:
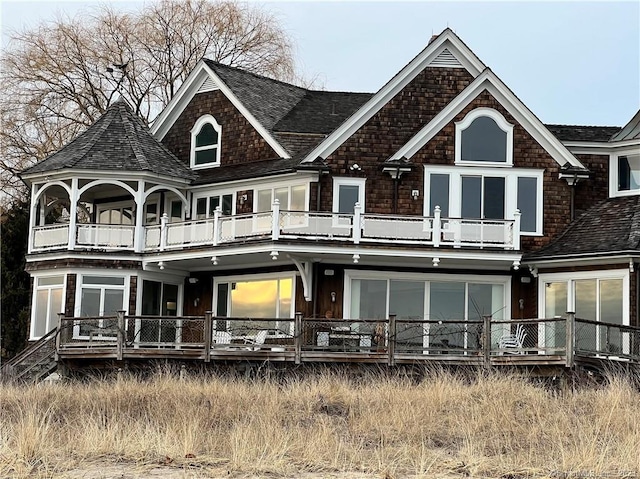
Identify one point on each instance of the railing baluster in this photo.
(391, 340)
(297, 337)
(208, 332)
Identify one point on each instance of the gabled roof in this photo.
(631, 131)
(617, 223)
(583, 133)
(431, 55)
(488, 81)
(118, 140)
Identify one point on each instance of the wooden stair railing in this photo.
(34, 363)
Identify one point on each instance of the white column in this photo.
(437, 227)
(73, 213)
(33, 206)
(216, 225)
(356, 227)
(516, 230)
(138, 238)
(275, 220)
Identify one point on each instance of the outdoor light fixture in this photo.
(214, 260)
(333, 296)
(356, 258)
(355, 167)
(274, 255)
(161, 264)
(436, 262)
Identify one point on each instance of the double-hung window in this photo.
(206, 205)
(205, 142)
(346, 193)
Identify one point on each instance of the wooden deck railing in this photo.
(391, 341)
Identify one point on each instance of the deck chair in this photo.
(221, 337)
(257, 341)
(513, 341)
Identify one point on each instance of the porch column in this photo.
(516, 230)
(73, 213)
(33, 207)
(138, 236)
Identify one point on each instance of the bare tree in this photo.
(58, 78)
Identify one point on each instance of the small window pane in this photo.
(223, 291)
(113, 301)
(151, 298)
(264, 200)
(207, 136)
(90, 302)
(42, 306)
(176, 210)
(471, 196)
(439, 194)
(214, 202)
(204, 157)
(298, 196)
(151, 216)
(56, 307)
(104, 218)
(528, 203)
(282, 195)
(103, 280)
(227, 204)
(50, 280)
(201, 208)
(629, 173)
(494, 198)
(285, 294)
(169, 299)
(483, 140)
(349, 195)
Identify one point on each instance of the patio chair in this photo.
(221, 337)
(514, 341)
(257, 341)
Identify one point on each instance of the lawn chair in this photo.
(513, 341)
(258, 341)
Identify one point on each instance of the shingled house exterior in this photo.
(435, 218)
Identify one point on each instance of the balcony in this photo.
(357, 228)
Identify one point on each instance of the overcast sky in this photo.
(570, 62)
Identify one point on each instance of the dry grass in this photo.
(491, 426)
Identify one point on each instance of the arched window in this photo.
(484, 137)
(205, 142)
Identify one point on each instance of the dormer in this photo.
(624, 161)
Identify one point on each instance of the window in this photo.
(121, 213)
(595, 296)
(291, 198)
(205, 142)
(346, 193)
(206, 206)
(267, 297)
(99, 296)
(450, 299)
(487, 193)
(159, 299)
(625, 174)
(484, 137)
(47, 303)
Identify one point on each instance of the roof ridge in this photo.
(582, 126)
(129, 130)
(248, 72)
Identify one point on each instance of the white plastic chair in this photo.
(258, 341)
(514, 341)
(221, 337)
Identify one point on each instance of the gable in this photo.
(240, 142)
(432, 56)
(489, 82)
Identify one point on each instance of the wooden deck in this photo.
(385, 342)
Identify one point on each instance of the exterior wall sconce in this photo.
(436, 262)
(355, 167)
(161, 265)
(214, 260)
(333, 296)
(516, 265)
(415, 194)
(274, 255)
(356, 258)
(193, 280)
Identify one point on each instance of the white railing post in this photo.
(164, 219)
(516, 230)
(73, 214)
(216, 225)
(275, 220)
(33, 207)
(356, 228)
(138, 232)
(437, 227)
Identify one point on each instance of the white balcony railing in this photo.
(274, 225)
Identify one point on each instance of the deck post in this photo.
(570, 340)
(391, 340)
(275, 220)
(516, 230)
(216, 225)
(208, 330)
(164, 219)
(58, 336)
(486, 340)
(356, 228)
(297, 337)
(437, 227)
(120, 321)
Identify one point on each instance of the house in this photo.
(399, 225)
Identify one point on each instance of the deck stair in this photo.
(34, 363)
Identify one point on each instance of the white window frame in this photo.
(208, 195)
(36, 288)
(614, 173)
(162, 279)
(571, 277)
(502, 123)
(345, 181)
(256, 277)
(117, 205)
(78, 300)
(510, 195)
(276, 186)
(197, 127)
